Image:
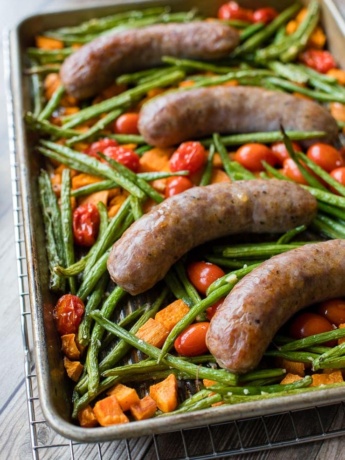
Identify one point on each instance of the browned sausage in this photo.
(147, 250)
(190, 114)
(96, 65)
(266, 298)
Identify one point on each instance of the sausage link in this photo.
(147, 250)
(266, 298)
(96, 65)
(186, 115)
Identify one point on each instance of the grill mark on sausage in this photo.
(183, 115)
(146, 251)
(96, 65)
(265, 299)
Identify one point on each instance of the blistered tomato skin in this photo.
(202, 274)
(265, 15)
(127, 123)
(192, 341)
(68, 314)
(325, 156)
(252, 155)
(176, 185)
(211, 311)
(280, 151)
(290, 170)
(100, 146)
(189, 156)
(86, 224)
(125, 156)
(339, 174)
(333, 310)
(320, 60)
(307, 324)
(233, 11)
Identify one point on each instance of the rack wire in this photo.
(221, 440)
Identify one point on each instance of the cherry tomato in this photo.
(325, 156)
(100, 146)
(339, 174)
(176, 185)
(211, 311)
(203, 274)
(290, 170)
(265, 15)
(320, 60)
(280, 151)
(333, 310)
(307, 324)
(192, 341)
(190, 156)
(252, 155)
(233, 10)
(127, 124)
(68, 313)
(86, 224)
(124, 155)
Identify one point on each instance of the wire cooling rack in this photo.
(220, 440)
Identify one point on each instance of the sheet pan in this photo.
(54, 387)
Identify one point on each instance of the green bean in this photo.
(199, 405)
(177, 363)
(150, 176)
(37, 93)
(313, 340)
(195, 310)
(258, 250)
(331, 354)
(200, 395)
(95, 187)
(253, 42)
(136, 207)
(198, 65)
(177, 288)
(128, 138)
(189, 288)
(316, 75)
(159, 73)
(132, 177)
(265, 137)
(42, 69)
(135, 77)
(227, 163)
(326, 197)
(298, 356)
(72, 270)
(317, 95)
(331, 210)
(84, 330)
(96, 128)
(95, 343)
(92, 276)
(251, 30)
(329, 226)
(66, 219)
(53, 230)
(48, 56)
(230, 263)
(260, 374)
(207, 174)
(43, 126)
(321, 173)
(87, 164)
(52, 103)
(127, 97)
(290, 234)
(231, 279)
(242, 76)
(288, 71)
(142, 149)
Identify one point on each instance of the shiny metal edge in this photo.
(133, 429)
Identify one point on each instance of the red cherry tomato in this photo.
(290, 170)
(251, 156)
(265, 15)
(320, 60)
(86, 224)
(127, 124)
(233, 10)
(68, 313)
(192, 341)
(211, 311)
(333, 310)
(325, 156)
(124, 155)
(307, 324)
(339, 174)
(203, 274)
(280, 151)
(176, 185)
(100, 146)
(190, 156)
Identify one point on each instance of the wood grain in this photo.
(15, 441)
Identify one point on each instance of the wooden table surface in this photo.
(15, 441)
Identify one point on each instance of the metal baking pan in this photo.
(54, 387)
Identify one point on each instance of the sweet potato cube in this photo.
(69, 346)
(87, 418)
(108, 412)
(218, 175)
(165, 394)
(208, 383)
(73, 369)
(156, 159)
(126, 396)
(291, 367)
(327, 379)
(48, 43)
(145, 408)
(172, 314)
(342, 340)
(153, 333)
(290, 378)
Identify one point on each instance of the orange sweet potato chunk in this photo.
(153, 333)
(87, 418)
(172, 314)
(126, 396)
(69, 346)
(165, 394)
(144, 409)
(108, 412)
